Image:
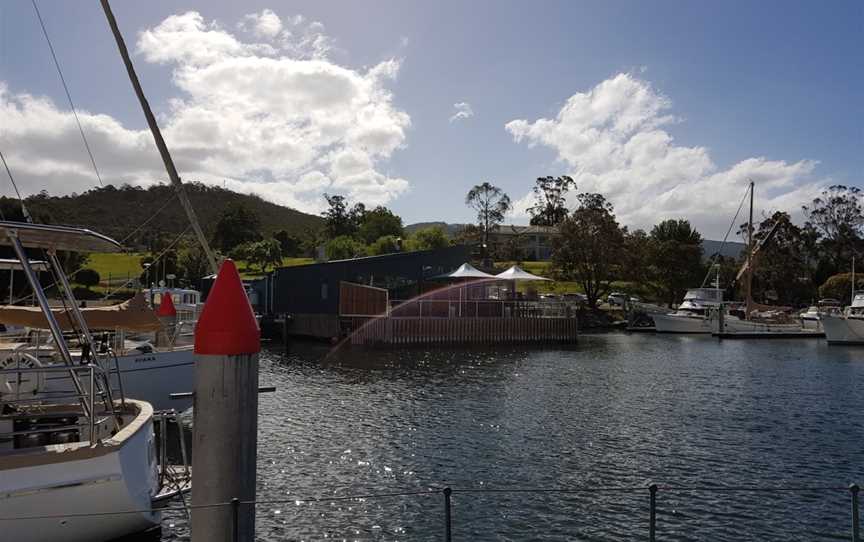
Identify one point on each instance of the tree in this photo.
(265, 253)
(192, 263)
(590, 247)
(491, 204)
(341, 220)
(237, 225)
(87, 277)
(838, 218)
(344, 247)
(839, 287)
(384, 245)
(289, 244)
(428, 239)
(550, 200)
(782, 272)
(635, 257)
(674, 259)
(377, 223)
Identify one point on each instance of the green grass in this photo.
(118, 267)
(251, 271)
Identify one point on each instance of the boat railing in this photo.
(88, 395)
(481, 308)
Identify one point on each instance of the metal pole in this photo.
(85, 331)
(856, 534)
(157, 136)
(53, 325)
(12, 283)
(448, 525)
(92, 404)
(749, 306)
(235, 522)
(652, 512)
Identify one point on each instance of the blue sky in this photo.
(712, 93)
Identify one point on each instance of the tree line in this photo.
(795, 264)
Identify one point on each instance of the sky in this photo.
(668, 108)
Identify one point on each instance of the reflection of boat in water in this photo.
(847, 328)
(68, 454)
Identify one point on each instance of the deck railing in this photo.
(486, 308)
(652, 493)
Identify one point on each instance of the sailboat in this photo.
(67, 454)
(742, 325)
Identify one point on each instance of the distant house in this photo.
(532, 242)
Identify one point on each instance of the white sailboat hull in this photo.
(673, 323)
(840, 330)
(66, 484)
(150, 377)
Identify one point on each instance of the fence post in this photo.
(235, 522)
(652, 512)
(448, 528)
(856, 535)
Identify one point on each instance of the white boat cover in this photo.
(517, 273)
(467, 271)
(132, 315)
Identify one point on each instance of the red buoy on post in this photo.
(225, 434)
(166, 306)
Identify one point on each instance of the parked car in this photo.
(575, 297)
(617, 299)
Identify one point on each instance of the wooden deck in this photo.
(389, 330)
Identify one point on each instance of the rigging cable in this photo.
(15, 186)
(68, 95)
(723, 244)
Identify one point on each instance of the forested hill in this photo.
(116, 212)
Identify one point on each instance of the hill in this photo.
(117, 212)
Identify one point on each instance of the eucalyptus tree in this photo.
(491, 204)
(550, 200)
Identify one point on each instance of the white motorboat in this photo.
(77, 466)
(692, 315)
(849, 327)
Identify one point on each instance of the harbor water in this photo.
(615, 410)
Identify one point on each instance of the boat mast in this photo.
(749, 285)
(853, 279)
(157, 136)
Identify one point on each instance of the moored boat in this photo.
(78, 465)
(692, 316)
(849, 327)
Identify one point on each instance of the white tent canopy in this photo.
(517, 273)
(467, 271)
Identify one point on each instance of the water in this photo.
(616, 410)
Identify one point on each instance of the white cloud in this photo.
(612, 140)
(264, 25)
(463, 111)
(260, 117)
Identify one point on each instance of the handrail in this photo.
(652, 491)
(88, 399)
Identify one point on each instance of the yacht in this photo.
(811, 319)
(151, 359)
(79, 465)
(847, 328)
(693, 314)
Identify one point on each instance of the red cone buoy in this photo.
(167, 314)
(225, 438)
(166, 306)
(227, 325)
